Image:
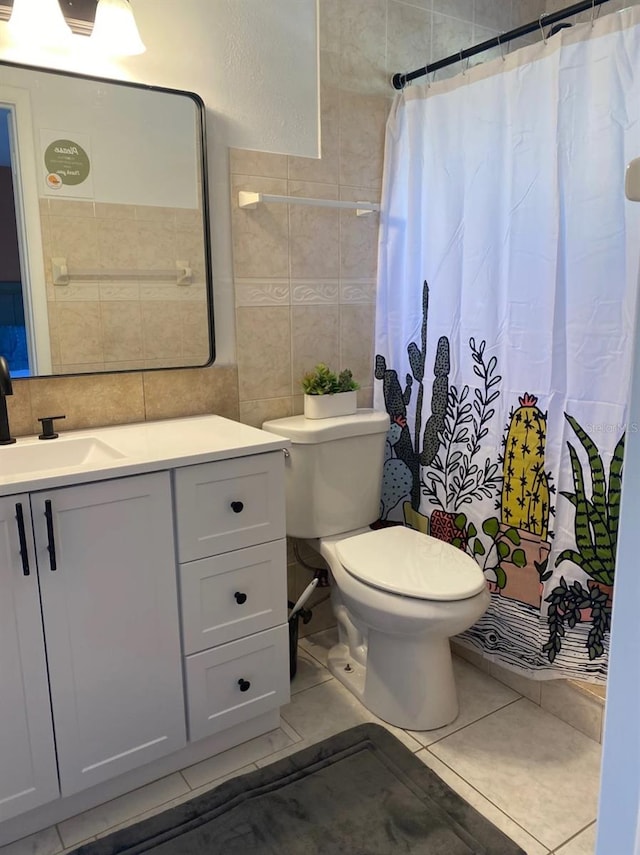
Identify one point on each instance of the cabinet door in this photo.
(111, 622)
(28, 773)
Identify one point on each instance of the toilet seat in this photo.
(404, 561)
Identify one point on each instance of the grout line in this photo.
(497, 807)
(184, 779)
(475, 721)
(573, 837)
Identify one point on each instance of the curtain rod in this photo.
(400, 80)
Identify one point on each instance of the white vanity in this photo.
(143, 608)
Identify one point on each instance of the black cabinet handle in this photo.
(245, 685)
(23, 540)
(50, 536)
(237, 507)
(240, 597)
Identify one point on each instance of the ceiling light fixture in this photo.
(115, 31)
(39, 22)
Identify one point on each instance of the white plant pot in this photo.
(330, 406)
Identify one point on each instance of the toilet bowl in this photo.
(398, 595)
(393, 648)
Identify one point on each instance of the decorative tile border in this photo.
(358, 291)
(259, 292)
(314, 292)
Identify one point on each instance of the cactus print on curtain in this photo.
(507, 280)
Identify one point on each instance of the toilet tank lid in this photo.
(310, 431)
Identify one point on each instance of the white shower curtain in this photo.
(508, 263)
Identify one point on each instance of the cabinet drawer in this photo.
(238, 681)
(228, 596)
(229, 504)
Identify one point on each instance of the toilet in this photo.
(398, 595)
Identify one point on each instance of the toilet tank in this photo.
(333, 472)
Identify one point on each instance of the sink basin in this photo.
(44, 455)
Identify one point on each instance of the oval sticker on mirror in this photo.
(68, 160)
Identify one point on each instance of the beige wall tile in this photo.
(156, 248)
(260, 236)
(356, 341)
(363, 45)
(111, 211)
(19, 408)
(362, 122)
(155, 213)
(161, 330)
(315, 339)
(88, 401)
(314, 233)
(531, 689)
(408, 37)
(525, 11)
(496, 16)
(329, 25)
(79, 332)
(118, 245)
(195, 332)
(449, 36)
(462, 9)
(254, 413)
(75, 239)
(257, 163)
(70, 208)
(121, 330)
(191, 392)
(358, 237)
(264, 352)
(577, 709)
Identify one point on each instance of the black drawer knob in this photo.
(237, 507)
(240, 597)
(245, 685)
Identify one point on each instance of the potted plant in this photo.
(327, 394)
(596, 518)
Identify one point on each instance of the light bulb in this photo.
(115, 31)
(39, 22)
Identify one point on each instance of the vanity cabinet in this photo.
(143, 609)
(102, 556)
(230, 520)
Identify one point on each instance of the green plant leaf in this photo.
(478, 547)
(457, 542)
(491, 527)
(503, 549)
(460, 521)
(472, 530)
(519, 558)
(501, 576)
(513, 536)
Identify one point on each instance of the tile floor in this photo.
(531, 774)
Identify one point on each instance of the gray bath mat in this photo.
(361, 792)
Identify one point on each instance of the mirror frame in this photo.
(201, 133)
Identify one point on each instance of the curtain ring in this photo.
(466, 68)
(593, 12)
(501, 46)
(544, 38)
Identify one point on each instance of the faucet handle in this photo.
(47, 427)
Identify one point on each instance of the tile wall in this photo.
(103, 324)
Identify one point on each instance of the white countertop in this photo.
(142, 447)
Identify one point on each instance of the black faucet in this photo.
(5, 389)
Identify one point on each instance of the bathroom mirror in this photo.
(104, 249)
